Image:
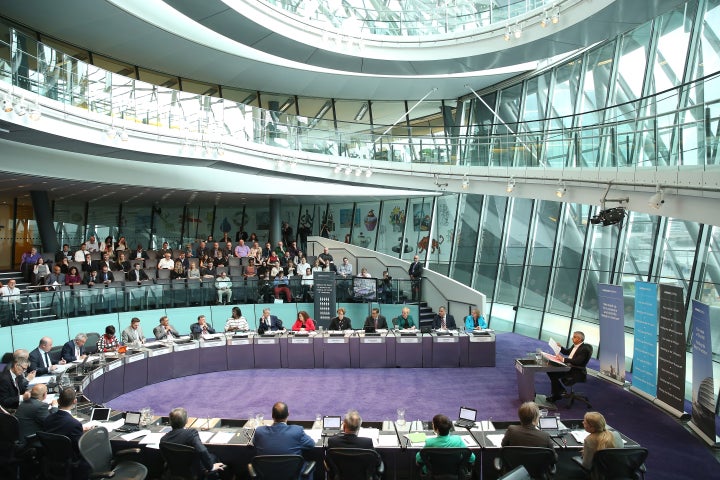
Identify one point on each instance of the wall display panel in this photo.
(69, 223)
(391, 227)
(418, 223)
(513, 257)
(444, 234)
(492, 220)
(465, 242)
(541, 245)
(566, 273)
(708, 290)
(365, 224)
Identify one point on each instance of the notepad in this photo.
(387, 441)
(222, 437)
(416, 437)
(496, 439)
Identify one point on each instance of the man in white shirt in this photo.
(223, 285)
(80, 254)
(40, 360)
(166, 262)
(92, 244)
(133, 333)
(10, 293)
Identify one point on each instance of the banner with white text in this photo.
(644, 376)
(611, 312)
(671, 341)
(703, 389)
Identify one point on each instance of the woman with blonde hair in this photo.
(600, 437)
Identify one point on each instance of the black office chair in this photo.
(9, 445)
(570, 381)
(58, 458)
(539, 462)
(91, 343)
(95, 448)
(353, 464)
(181, 462)
(619, 463)
(446, 463)
(518, 473)
(280, 467)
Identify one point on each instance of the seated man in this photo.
(527, 434)
(269, 322)
(40, 360)
(201, 327)
(32, 413)
(13, 383)
(80, 254)
(577, 357)
(443, 320)
(74, 350)
(166, 262)
(63, 423)
(190, 437)
(281, 286)
(441, 426)
(404, 320)
(376, 320)
(137, 274)
(281, 438)
(242, 250)
(165, 330)
(341, 322)
(223, 285)
(133, 333)
(349, 437)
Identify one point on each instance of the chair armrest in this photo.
(578, 460)
(643, 468)
(308, 468)
(102, 475)
(251, 471)
(497, 463)
(381, 468)
(127, 451)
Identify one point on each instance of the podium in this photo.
(526, 368)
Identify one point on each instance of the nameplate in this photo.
(266, 341)
(239, 341)
(159, 351)
(134, 358)
(84, 383)
(187, 346)
(446, 339)
(372, 340)
(519, 367)
(95, 374)
(335, 340)
(408, 340)
(482, 338)
(112, 366)
(300, 340)
(210, 344)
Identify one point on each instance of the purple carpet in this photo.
(377, 393)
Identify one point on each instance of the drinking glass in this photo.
(400, 416)
(259, 419)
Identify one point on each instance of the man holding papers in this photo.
(577, 357)
(74, 350)
(441, 426)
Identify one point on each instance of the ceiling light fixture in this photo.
(555, 19)
(338, 168)
(657, 200)
(348, 170)
(508, 33)
(111, 132)
(510, 185)
(465, 182)
(368, 173)
(545, 19)
(35, 112)
(518, 31)
(20, 108)
(7, 104)
(561, 189)
(124, 135)
(358, 172)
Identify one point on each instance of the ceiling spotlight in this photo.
(368, 173)
(657, 200)
(338, 168)
(555, 16)
(280, 164)
(35, 112)
(561, 189)
(7, 105)
(348, 170)
(518, 31)
(220, 151)
(20, 108)
(111, 132)
(124, 135)
(545, 20)
(465, 182)
(507, 34)
(510, 185)
(358, 172)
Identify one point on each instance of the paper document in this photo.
(40, 379)
(469, 440)
(579, 435)
(205, 436)
(110, 426)
(485, 425)
(314, 433)
(222, 437)
(371, 433)
(495, 439)
(152, 440)
(49, 399)
(387, 441)
(60, 368)
(134, 435)
(554, 346)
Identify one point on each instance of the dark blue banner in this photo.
(703, 390)
(611, 312)
(644, 376)
(671, 342)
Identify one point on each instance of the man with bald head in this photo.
(281, 438)
(31, 413)
(40, 360)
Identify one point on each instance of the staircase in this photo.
(426, 314)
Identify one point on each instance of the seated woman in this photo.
(263, 269)
(475, 321)
(600, 437)
(341, 322)
(73, 278)
(303, 322)
(193, 271)
(250, 270)
(121, 264)
(40, 271)
(178, 271)
(108, 342)
(121, 245)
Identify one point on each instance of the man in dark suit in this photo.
(91, 278)
(105, 276)
(74, 350)
(201, 327)
(32, 413)
(55, 278)
(376, 320)
(63, 423)
(13, 383)
(137, 274)
(191, 438)
(40, 360)
(88, 265)
(268, 322)
(281, 438)
(577, 357)
(527, 434)
(443, 320)
(349, 436)
(415, 272)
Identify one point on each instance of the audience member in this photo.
(281, 286)
(325, 259)
(236, 322)
(139, 253)
(223, 285)
(80, 254)
(304, 322)
(527, 434)
(599, 437)
(93, 245)
(74, 350)
(87, 265)
(166, 262)
(269, 322)
(121, 264)
(193, 271)
(121, 245)
(165, 330)
(415, 272)
(281, 438)
(64, 253)
(133, 334)
(40, 360)
(242, 250)
(137, 274)
(105, 276)
(55, 279)
(441, 425)
(73, 278)
(190, 437)
(40, 272)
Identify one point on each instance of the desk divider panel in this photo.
(357, 312)
(95, 323)
(28, 335)
(182, 318)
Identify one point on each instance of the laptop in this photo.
(132, 422)
(369, 329)
(466, 417)
(549, 425)
(100, 414)
(330, 425)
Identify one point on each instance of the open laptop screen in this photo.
(100, 414)
(331, 422)
(467, 414)
(132, 418)
(548, 423)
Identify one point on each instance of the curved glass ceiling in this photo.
(410, 18)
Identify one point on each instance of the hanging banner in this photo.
(325, 297)
(671, 358)
(611, 311)
(644, 377)
(703, 390)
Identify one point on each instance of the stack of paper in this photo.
(495, 439)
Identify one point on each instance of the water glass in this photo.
(400, 416)
(259, 419)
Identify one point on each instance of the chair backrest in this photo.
(618, 462)
(91, 343)
(95, 448)
(278, 467)
(518, 473)
(163, 273)
(9, 432)
(179, 460)
(57, 455)
(538, 461)
(352, 463)
(446, 462)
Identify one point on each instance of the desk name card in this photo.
(300, 340)
(134, 358)
(187, 346)
(266, 341)
(112, 366)
(160, 351)
(239, 341)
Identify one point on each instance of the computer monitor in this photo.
(548, 423)
(100, 414)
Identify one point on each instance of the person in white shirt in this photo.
(166, 262)
(236, 323)
(10, 293)
(80, 254)
(92, 244)
(223, 285)
(301, 265)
